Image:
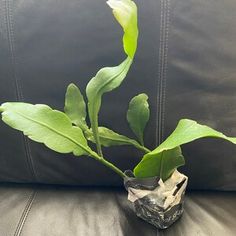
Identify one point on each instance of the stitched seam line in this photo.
(160, 65)
(162, 68)
(18, 90)
(25, 214)
(159, 74)
(165, 67)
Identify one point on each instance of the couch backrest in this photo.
(186, 63)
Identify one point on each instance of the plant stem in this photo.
(113, 167)
(96, 136)
(161, 166)
(108, 164)
(142, 148)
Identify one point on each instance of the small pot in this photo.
(157, 202)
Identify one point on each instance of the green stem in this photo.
(161, 166)
(140, 147)
(141, 141)
(107, 163)
(96, 136)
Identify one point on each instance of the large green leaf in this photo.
(110, 138)
(109, 78)
(125, 12)
(162, 164)
(185, 132)
(75, 107)
(106, 80)
(138, 115)
(44, 125)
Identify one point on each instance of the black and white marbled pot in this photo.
(157, 202)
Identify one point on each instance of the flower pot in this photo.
(157, 202)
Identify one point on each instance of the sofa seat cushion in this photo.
(68, 211)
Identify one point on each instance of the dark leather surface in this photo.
(59, 42)
(60, 211)
(45, 45)
(201, 84)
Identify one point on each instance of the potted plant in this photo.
(155, 186)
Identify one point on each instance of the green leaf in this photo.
(185, 132)
(125, 12)
(162, 165)
(44, 125)
(138, 115)
(106, 80)
(110, 138)
(109, 78)
(75, 107)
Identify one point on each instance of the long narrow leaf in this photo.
(109, 78)
(106, 80)
(110, 138)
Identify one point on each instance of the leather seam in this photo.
(157, 141)
(18, 90)
(166, 67)
(25, 214)
(162, 69)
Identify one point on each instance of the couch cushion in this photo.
(45, 46)
(186, 58)
(60, 211)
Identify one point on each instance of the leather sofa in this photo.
(186, 63)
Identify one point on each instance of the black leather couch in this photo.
(186, 63)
